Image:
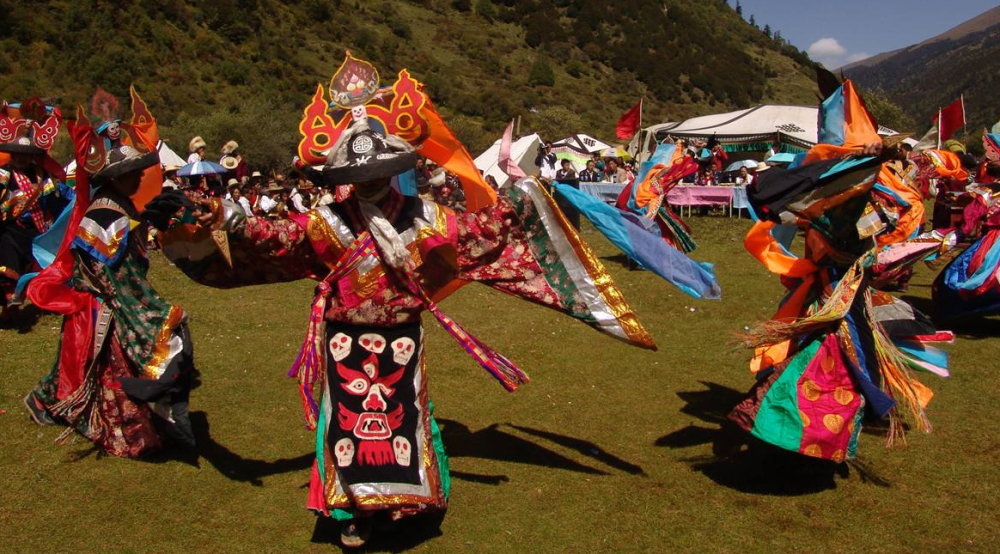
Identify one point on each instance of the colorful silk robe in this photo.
(837, 349)
(377, 446)
(970, 284)
(134, 343)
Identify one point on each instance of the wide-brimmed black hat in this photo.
(125, 159)
(365, 155)
(23, 145)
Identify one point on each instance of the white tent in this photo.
(579, 144)
(168, 156)
(522, 151)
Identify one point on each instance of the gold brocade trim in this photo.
(606, 287)
(107, 249)
(440, 220)
(366, 284)
(161, 348)
(319, 230)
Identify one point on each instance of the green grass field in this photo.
(610, 448)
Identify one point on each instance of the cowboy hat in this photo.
(195, 144)
(232, 183)
(229, 162)
(229, 147)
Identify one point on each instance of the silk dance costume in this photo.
(124, 368)
(33, 195)
(382, 260)
(838, 351)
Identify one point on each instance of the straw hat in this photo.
(229, 162)
(170, 167)
(232, 183)
(229, 147)
(762, 166)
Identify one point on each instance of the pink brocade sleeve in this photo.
(262, 251)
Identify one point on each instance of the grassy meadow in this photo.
(610, 448)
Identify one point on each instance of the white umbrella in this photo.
(735, 166)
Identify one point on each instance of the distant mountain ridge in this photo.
(965, 60)
(977, 24)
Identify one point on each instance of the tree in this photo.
(739, 9)
(886, 111)
(486, 9)
(541, 74)
(767, 30)
(462, 5)
(753, 21)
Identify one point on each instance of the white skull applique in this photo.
(344, 450)
(402, 350)
(372, 342)
(401, 447)
(340, 346)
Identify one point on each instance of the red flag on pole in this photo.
(628, 123)
(952, 117)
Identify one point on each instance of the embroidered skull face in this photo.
(340, 346)
(401, 447)
(344, 451)
(402, 350)
(374, 423)
(372, 342)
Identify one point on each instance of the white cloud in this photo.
(829, 52)
(857, 57)
(826, 48)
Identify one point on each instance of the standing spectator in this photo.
(774, 149)
(324, 197)
(492, 182)
(241, 199)
(197, 149)
(598, 161)
(720, 157)
(744, 179)
(422, 174)
(566, 172)
(170, 177)
(613, 173)
(590, 174)
(268, 199)
(232, 186)
(297, 197)
(546, 161)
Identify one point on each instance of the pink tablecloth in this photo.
(693, 195)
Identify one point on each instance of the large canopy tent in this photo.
(522, 151)
(579, 144)
(795, 128)
(750, 130)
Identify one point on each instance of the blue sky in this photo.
(836, 32)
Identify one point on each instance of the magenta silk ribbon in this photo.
(28, 188)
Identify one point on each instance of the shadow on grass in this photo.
(494, 443)
(620, 259)
(400, 536)
(746, 464)
(23, 321)
(230, 464)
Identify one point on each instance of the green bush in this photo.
(541, 73)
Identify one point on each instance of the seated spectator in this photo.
(613, 173)
(566, 172)
(591, 174)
